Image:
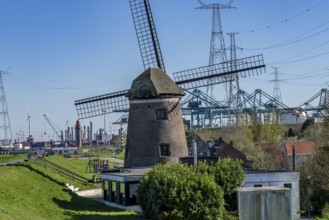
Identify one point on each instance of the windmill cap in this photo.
(153, 83)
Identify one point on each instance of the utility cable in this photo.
(302, 53)
(300, 60)
(292, 42)
(272, 18)
(283, 21)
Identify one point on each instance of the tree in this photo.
(267, 128)
(306, 124)
(256, 123)
(180, 191)
(266, 160)
(314, 172)
(314, 175)
(175, 191)
(291, 133)
(228, 174)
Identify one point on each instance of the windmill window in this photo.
(164, 150)
(143, 91)
(161, 114)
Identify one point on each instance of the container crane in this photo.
(59, 136)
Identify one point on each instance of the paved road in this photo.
(11, 162)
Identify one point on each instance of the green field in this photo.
(102, 151)
(30, 191)
(11, 157)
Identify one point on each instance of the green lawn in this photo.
(28, 192)
(11, 157)
(120, 156)
(73, 164)
(104, 152)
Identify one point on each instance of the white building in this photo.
(275, 179)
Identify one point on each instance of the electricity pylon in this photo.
(234, 86)
(276, 91)
(217, 45)
(6, 135)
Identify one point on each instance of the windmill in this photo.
(155, 128)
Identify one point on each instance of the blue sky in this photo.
(58, 51)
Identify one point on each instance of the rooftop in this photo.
(301, 148)
(152, 83)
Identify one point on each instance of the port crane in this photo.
(59, 136)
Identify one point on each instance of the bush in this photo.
(175, 191)
(229, 174)
(325, 211)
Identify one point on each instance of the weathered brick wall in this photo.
(145, 133)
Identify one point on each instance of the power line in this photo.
(272, 18)
(307, 58)
(307, 77)
(268, 26)
(289, 42)
(302, 53)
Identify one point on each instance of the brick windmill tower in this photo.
(155, 126)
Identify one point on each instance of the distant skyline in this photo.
(59, 51)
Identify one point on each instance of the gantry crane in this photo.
(59, 136)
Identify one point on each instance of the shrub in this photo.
(325, 211)
(229, 174)
(175, 191)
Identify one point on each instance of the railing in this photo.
(61, 170)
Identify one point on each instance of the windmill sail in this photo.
(146, 34)
(188, 79)
(199, 77)
(102, 104)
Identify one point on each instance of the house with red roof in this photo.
(295, 152)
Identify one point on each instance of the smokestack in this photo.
(77, 133)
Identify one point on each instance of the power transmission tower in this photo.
(217, 45)
(6, 135)
(276, 92)
(234, 86)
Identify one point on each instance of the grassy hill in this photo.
(11, 157)
(28, 191)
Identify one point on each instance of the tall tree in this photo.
(314, 176)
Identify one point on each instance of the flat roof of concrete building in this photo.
(125, 174)
(272, 188)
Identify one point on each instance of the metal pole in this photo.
(293, 157)
(29, 120)
(195, 158)
(121, 134)
(104, 123)
(308, 211)
(104, 126)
